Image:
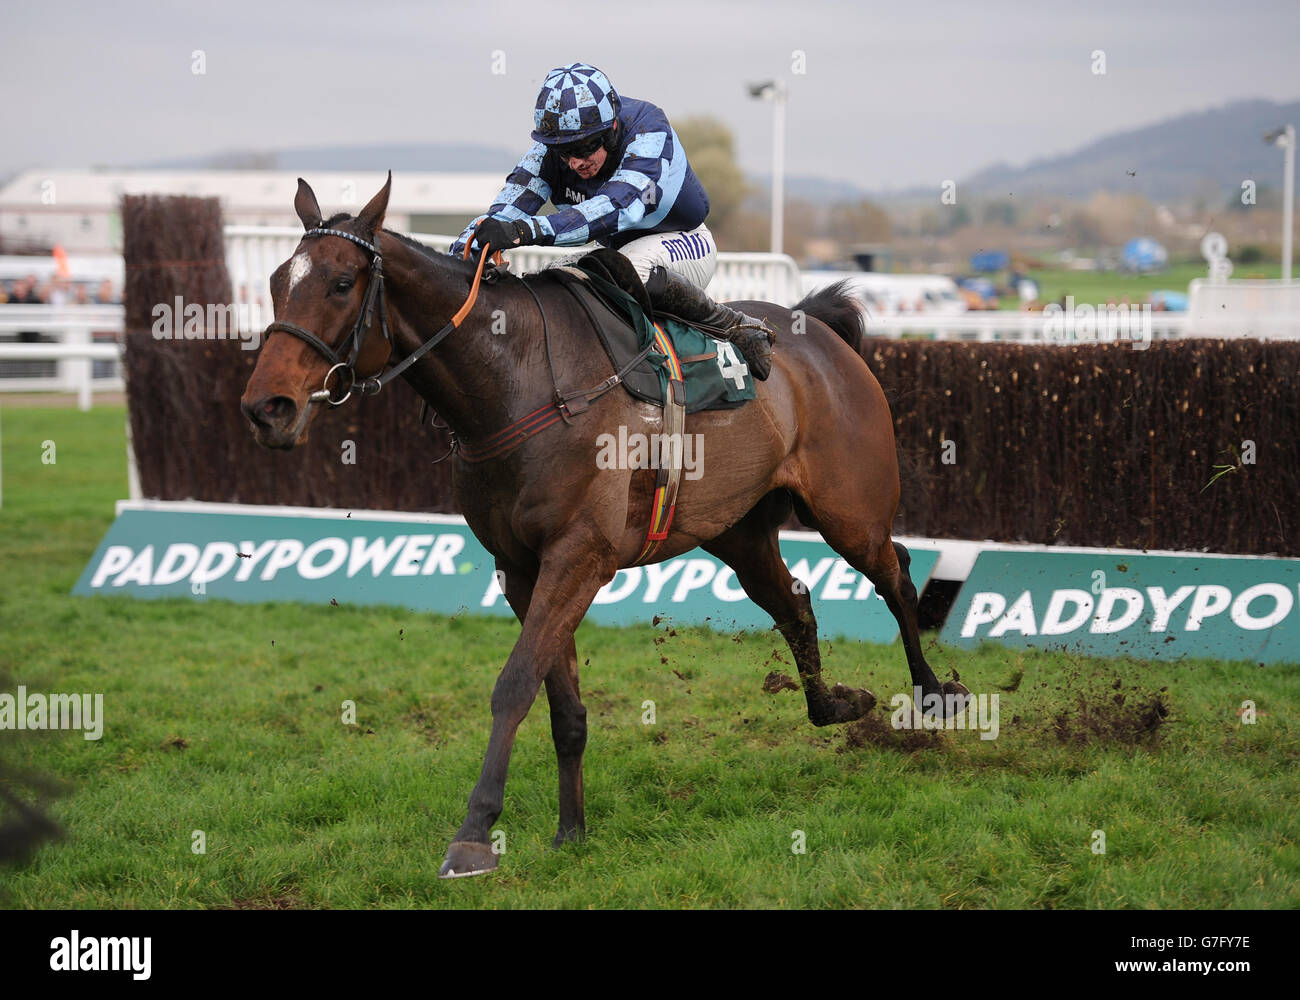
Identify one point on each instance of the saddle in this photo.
(607, 287)
(617, 269)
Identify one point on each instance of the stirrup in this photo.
(749, 323)
(754, 343)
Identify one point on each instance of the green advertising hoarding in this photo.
(434, 563)
(1147, 606)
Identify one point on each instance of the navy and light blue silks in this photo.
(652, 188)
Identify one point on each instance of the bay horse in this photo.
(355, 299)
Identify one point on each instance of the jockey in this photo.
(617, 172)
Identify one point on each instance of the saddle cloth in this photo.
(715, 375)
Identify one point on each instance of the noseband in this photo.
(374, 299)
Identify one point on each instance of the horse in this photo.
(356, 305)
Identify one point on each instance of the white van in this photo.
(894, 294)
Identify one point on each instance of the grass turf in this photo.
(226, 719)
(1103, 286)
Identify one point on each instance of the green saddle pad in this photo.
(718, 378)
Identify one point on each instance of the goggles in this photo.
(582, 148)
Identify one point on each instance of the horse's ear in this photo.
(304, 203)
(372, 216)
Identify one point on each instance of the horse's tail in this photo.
(836, 306)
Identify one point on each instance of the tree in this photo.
(710, 147)
(999, 211)
(859, 222)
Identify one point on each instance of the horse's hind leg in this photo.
(568, 714)
(751, 549)
(868, 548)
(569, 731)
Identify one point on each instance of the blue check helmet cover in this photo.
(647, 185)
(575, 102)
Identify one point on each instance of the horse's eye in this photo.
(342, 285)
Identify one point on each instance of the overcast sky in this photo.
(894, 95)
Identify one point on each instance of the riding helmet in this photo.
(575, 102)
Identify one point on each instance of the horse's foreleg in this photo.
(572, 571)
(568, 715)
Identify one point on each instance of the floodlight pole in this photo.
(1288, 203)
(775, 91)
(1285, 137)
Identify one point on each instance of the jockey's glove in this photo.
(504, 235)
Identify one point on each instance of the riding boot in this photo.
(673, 294)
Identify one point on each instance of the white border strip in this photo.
(956, 556)
(259, 510)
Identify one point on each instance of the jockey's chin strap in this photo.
(374, 301)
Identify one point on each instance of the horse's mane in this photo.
(428, 251)
(467, 267)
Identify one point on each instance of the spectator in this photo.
(105, 296)
(25, 291)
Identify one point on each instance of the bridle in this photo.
(563, 405)
(355, 340)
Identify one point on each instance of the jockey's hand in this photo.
(503, 235)
(467, 236)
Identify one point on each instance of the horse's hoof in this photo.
(956, 694)
(465, 858)
(862, 700)
(563, 837)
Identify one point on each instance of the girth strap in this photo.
(672, 443)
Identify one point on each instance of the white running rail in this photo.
(253, 252)
(68, 339)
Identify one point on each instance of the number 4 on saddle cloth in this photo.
(713, 371)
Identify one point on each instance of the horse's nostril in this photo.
(271, 411)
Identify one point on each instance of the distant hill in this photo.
(1205, 152)
(820, 190)
(1172, 160)
(464, 157)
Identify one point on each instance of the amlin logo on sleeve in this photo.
(1111, 603)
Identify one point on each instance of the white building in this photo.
(81, 209)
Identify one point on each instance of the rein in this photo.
(356, 338)
(562, 406)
